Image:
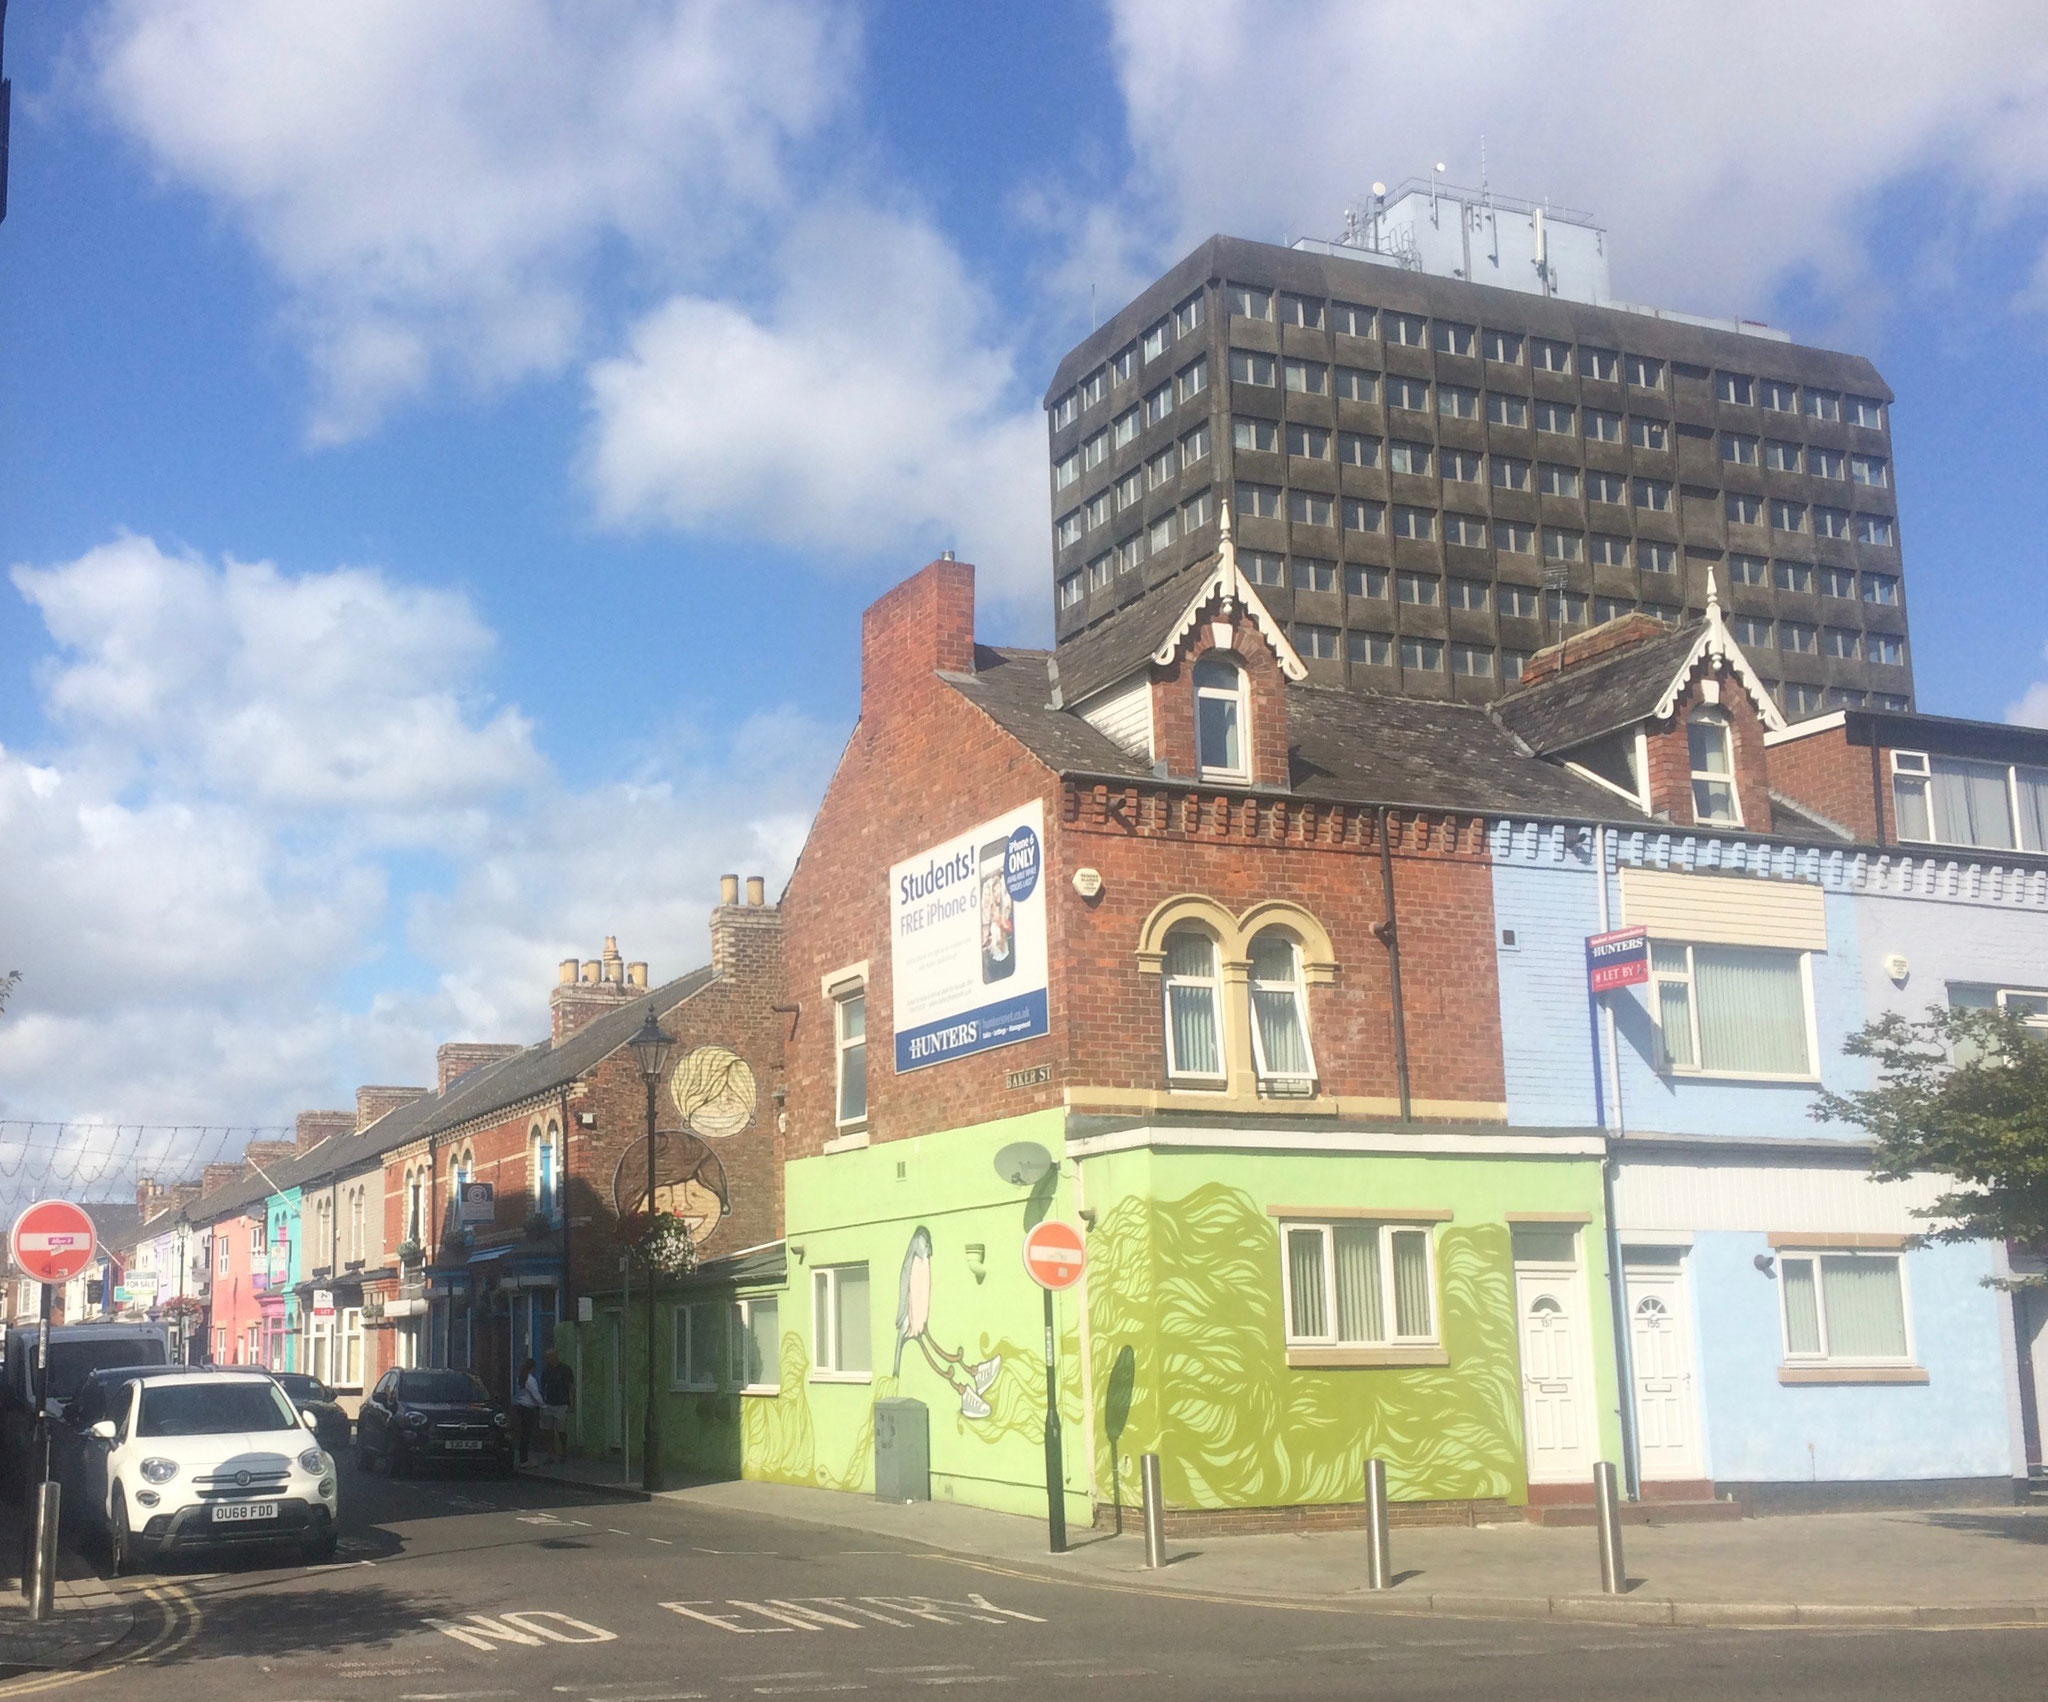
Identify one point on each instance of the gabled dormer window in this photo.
(1222, 720)
(1713, 769)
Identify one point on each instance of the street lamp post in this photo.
(650, 1049)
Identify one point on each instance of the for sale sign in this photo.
(1618, 958)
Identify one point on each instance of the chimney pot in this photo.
(593, 971)
(611, 948)
(757, 891)
(728, 889)
(636, 975)
(565, 971)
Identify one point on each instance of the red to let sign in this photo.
(1053, 1254)
(1618, 958)
(51, 1242)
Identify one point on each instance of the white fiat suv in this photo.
(206, 1458)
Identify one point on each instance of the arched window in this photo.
(1222, 719)
(1713, 769)
(1280, 1044)
(1194, 1007)
(412, 1206)
(544, 1183)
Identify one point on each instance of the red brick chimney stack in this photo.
(585, 991)
(375, 1102)
(313, 1127)
(923, 626)
(459, 1056)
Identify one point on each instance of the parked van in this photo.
(75, 1350)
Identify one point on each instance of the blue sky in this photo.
(448, 446)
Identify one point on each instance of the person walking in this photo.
(526, 1405)
(557, 1396)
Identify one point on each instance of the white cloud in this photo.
(227, 837)
(429, 179)
(1728, 148)
(2030, 709)
(869, 408)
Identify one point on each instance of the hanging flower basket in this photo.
(184, 1306)
(662, 1243)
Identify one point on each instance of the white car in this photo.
(190, 1461)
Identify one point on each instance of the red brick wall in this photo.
(1831, 776)
(924, 764)
(1173, 703)
(1670, 756)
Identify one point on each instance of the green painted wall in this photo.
(1188, 1340)
(978, 1364)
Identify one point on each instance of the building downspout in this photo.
(1876, 785)
(1617, 1285)
(1388, 934)
(568, 1311)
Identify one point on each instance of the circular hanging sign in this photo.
(1053, 1254)
(52, 1241)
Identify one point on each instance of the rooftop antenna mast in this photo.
(1485, 188)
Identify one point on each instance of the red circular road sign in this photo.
(1053, 1254)
(52, 1241)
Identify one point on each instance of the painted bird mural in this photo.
(913, 1324)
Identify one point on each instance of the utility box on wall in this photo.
(903, 1451)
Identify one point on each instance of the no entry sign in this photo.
(51, 1242)
(1053, 1254)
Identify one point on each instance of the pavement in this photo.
(89, 1618)
(460, 1587)
(1968, 1566)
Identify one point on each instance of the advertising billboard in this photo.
(967, 941)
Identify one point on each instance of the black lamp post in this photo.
(650, 1050)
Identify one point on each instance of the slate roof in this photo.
(1598, 697)
(475, 1093)
(1345, 747)
(116, 1224)
(1118, 645)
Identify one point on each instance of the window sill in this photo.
(842, 1377)
(1311, 1358)
(1677, 1075)
(853, 1138)
(758, 1390)
(693, 1388)
(1795, 1374)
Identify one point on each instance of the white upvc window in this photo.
(1358, 1284)
(699, 1345)
(1944, 800)
(1222, 719)
(545, 1182)
(1279, 1010)
(1737, 1011)
(753, 1330)
(1844, 1309)
(348, 1356)
(1194, 1008)
(840, 1327)
(850, 1047)
(1710, 746)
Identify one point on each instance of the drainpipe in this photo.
(1388, 934)
(1617, 1286)
(1876, 784)
(567, 1314)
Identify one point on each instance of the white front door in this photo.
(1660, 1353)
(1556, 1390)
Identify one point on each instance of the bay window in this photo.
(1732, 1010)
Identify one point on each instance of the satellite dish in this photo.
(1022, 1163)
(1379, 189)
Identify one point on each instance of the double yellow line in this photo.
(182, 1619)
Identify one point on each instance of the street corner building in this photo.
(1290, 983)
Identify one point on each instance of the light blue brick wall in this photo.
(1546, 1043)
(1944, 940)
(1760, 1430)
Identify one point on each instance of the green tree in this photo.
(1962, 1094)
(7, 985)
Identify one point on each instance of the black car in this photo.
(330, 1420)
(418, 1417)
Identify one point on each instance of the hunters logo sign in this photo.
(1617, 959)
(967, 942)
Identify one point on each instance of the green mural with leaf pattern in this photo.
(1187, 1334)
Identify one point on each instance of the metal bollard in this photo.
(1155, 1512)
(42, 1594)
(1607, 1514)
(1379, 1563)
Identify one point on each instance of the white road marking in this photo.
(615, 1531)
(954, 1667)
(724, 1622)
(666, 1542)
(816, 1614)
(802, 1689)
(971, 1678)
